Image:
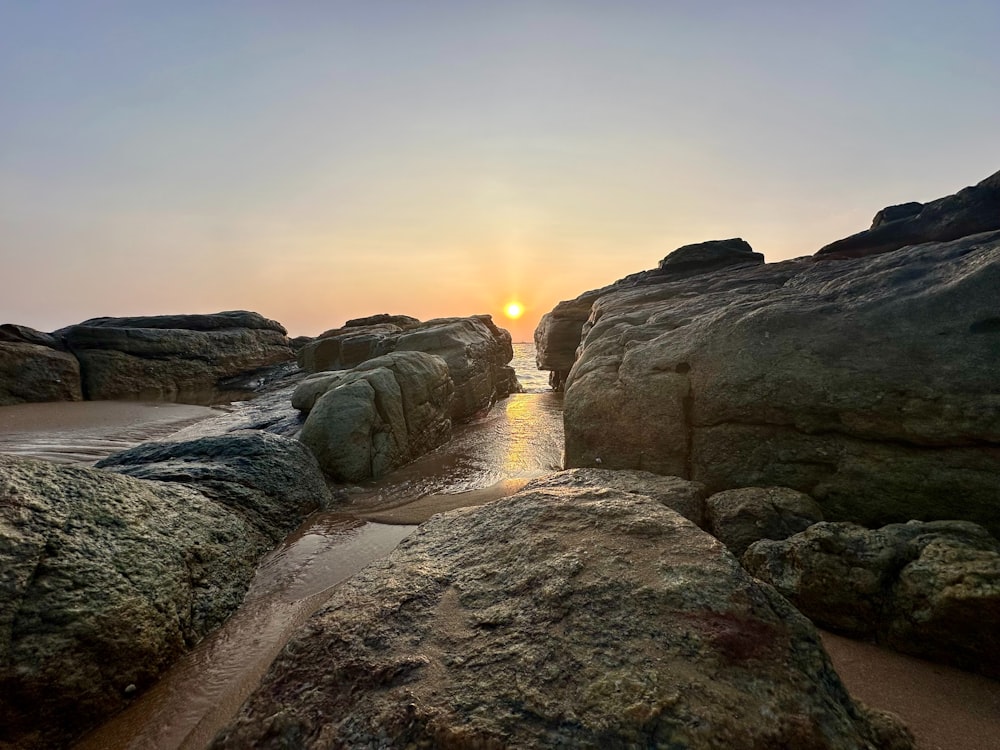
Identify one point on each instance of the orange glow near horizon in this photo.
(513, 310)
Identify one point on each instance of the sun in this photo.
(514, 310)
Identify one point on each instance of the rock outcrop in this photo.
(565, 617)
(868, 383)
(740, 517)
(476, 351)
(106, 579)
(364, 422)
(34, 367)
(929, 589)
(199, 359)
(972, 210)
(559, 332)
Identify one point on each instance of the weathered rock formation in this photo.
(868, 383)
(364, 422)
(559, 332)
(475, 350)
(106, 579)
(740, 517)
(969, 211)
(34, 367)
(930, 589)
(565, 617)
(198, 359)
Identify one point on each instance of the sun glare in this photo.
(514, 310)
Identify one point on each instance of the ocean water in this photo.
(531, 378)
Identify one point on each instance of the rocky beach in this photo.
(214, 535)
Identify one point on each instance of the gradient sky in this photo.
(317, 161)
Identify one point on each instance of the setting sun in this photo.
(514, 310)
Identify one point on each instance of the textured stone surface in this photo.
(33, 372)
(105, 580)
(930, 589)
(740, 517)
(187, 358)
(868, 383)
(969, 211)
(680, 495)
(476, 351)
(567, 617)
(273, 481)
(385, 412)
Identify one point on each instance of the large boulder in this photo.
(740, 517)
(559, 332)
(566, 617)
(969, 211)
(33, 369)
(868, 383)
(362, 423)
(476, 350)
(929, 589)
(272, 481)
(199, 359)
(106, 579)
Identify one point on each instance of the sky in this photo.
(320, 161)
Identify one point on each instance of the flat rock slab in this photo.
(566, 617)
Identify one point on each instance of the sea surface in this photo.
(531, 378)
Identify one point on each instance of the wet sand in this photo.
(945, 708)
(82, 432)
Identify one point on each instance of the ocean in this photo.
(531, 378)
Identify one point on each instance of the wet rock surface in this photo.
(106, 580)
(566, 616)
(928, 589)
(385, 412)
(272, 481)
(198, 359)
(476, 351)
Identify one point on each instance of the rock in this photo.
(740, 517)
(475, 349)
(200, 359)
(367, 421)
(867, 383)
(558, 336)
(402, 321)
(13, 333)
(273, 481)
(104, 581)
(710, 256)
(929, 589)
(566, 617)
(680, 495)
(969, 211)
(32, 372)
(559, 332)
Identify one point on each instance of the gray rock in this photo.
(367, 421)
(11, 332)
(710, 256)
(929, 589)
(33, 372)
(474, 348)
(867, 383)
(566, 617)
(680, 495)
(104, 581)
(274, 482)
(198, 359)
(969, 211)
(740, 517)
